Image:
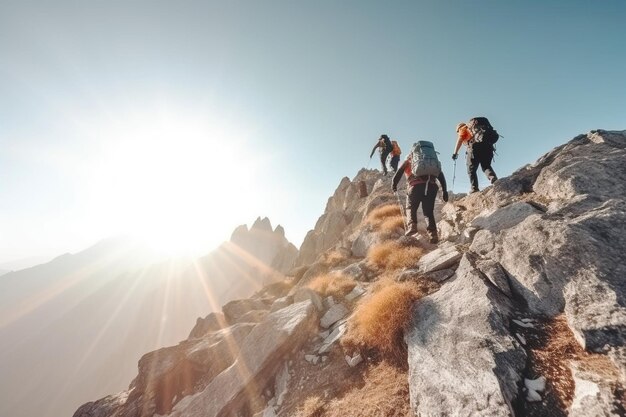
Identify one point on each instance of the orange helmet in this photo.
(459, 126)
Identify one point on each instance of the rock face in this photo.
(462, 361)
(339, 227)
(557, 232)
(262, 349)
(267, 245)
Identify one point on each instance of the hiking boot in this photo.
(474, 190)
(433, 237)
(493, 179)
(412, 230)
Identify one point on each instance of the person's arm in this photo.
(444, 186)
(397, 177)
(459, 142)
(374, 148)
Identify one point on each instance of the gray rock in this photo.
(262, 350)
(462, 360)
(254, 316)
(496, 275)
(304, 293)
(213, 322)
(281, 302)
(355, 293)
(505, 217)
(281, 385)
(354, 360)
(363, 242)
(355, 271)
(333, 315)
(235, 309)
(593, 396)
(104, 407)
(334, 336)
(441, 258)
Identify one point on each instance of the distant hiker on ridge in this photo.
(395, 155)
(422, 168)
(480, 138)
(384, 143)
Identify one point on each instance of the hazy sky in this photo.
(179, 120)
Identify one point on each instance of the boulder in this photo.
(462, 359)
(304, 293)
(335, 313)
(281, 302)
(505, 217)
(258, 360)
(364, 240)
(441, 258)
(211, 323)
(234, 310)
(104, 407)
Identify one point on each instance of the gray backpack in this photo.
(424, 159)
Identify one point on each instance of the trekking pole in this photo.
(402, 210)
(368, 163)
(453, 176)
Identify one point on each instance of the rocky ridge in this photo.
(524, 313)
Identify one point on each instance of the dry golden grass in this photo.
(334, 284)
(386, 219)
(551, 355)
(385, 393)
(334, 257)
(391, 225)
(312, 407)
(378, 322)
(391, 255)
(379, 214)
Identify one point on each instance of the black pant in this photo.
(383, 159)
(394, 162)
(415, 196)
(480, 154)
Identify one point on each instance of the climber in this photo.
(422, 168)
(395, 155)
(385, 147)
(480, 138)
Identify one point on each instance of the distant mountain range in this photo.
(74, 328)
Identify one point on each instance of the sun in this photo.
(179, 182)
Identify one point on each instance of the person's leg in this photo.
(383, 160)
(486, 156)
(472, 167)
(394, 162)
(412, 204)
(428, 208)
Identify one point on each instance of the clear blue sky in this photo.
(300, 90)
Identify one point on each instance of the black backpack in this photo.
(387, 142)
(483, 131)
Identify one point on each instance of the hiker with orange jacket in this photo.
(421, 190)
(395, 155)
(385, 147)
(479, 137)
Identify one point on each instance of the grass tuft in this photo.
(378, 322)
(312, 407)
(391, 255)
(337, 285)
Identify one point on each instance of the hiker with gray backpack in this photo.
(480, 138)
(422, 169)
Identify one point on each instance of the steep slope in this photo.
(519, 311)
(94, 313)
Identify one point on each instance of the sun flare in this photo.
(178, 182)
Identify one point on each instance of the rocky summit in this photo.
(519, 311)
